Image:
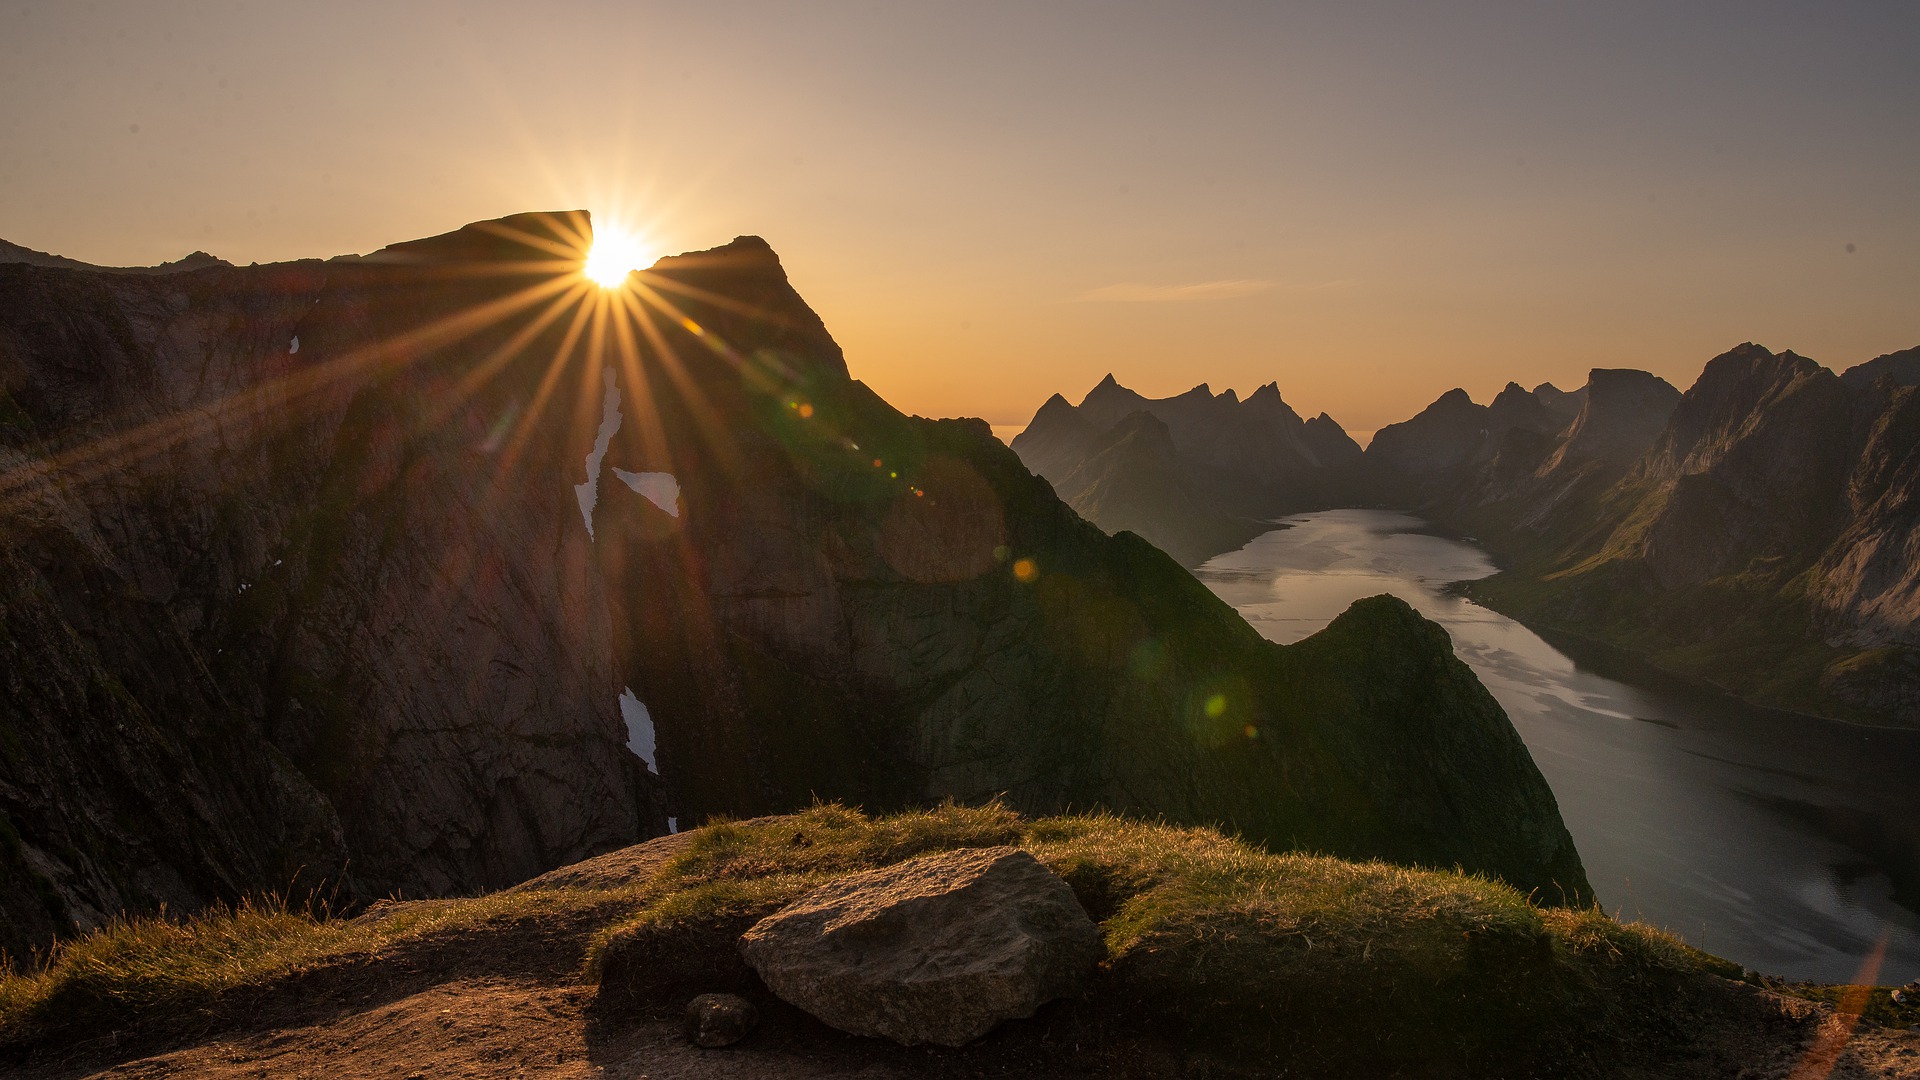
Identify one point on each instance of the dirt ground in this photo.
(499, 1027)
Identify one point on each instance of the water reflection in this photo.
(1770, 839)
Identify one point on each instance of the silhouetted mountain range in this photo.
(1195, 474)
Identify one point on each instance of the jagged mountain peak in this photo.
(1514, 397)
(1902, 367)
(1266, 396)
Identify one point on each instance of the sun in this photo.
(616, 253)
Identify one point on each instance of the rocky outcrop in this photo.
(938, 949)
(1221, 467)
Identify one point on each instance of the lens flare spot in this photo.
(616, 253)
(1216, 706)
(1252, 732)
(1025, 569)
(806, 411)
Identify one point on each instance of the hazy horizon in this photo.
(1369, 204)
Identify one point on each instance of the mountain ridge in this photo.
(301, 592)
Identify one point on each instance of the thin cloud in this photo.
(1202, 290)
(1162, 294)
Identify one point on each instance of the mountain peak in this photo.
(496, 239)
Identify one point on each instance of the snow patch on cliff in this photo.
(640, 737)
(659, 488)
(610, 420)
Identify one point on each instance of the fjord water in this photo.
(1755, 835)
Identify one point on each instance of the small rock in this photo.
(720, 1019)
(937, 949)
(1899, 997)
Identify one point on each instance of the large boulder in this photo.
(937, 949)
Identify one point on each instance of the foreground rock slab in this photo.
(937, 949)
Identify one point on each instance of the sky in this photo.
(1367, 202)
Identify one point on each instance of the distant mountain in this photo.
(1133, 479)
(1202, 477)
(1902, 367)
(1565, 404)
(14, 253)
(1760, 530)
(1452, 441)
(1622, 414)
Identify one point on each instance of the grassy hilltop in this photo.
(1223, 960)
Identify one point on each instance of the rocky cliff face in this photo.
(1751, 466)
(1223, 466)
(288, 599)
(1622, 413)
(332, 573)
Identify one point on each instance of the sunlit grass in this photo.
(160, 966)
(1207, 937)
